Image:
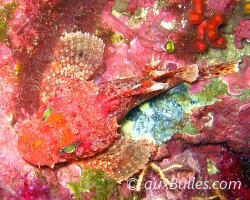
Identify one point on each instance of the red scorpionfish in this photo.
(78, 118)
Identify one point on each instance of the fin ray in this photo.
(121, 161)
(222, 69)
(80, 54)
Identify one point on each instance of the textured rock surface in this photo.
(186, 121)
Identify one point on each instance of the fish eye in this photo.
(47, 113)
(69, 149)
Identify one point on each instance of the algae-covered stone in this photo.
(211, 167)
(95, 184)
(6, 12)
(159, 118)
(120, 6)
(215, 56)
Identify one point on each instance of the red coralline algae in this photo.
(6, 58)
(31, 40)
(193, 159)
(221, 6)
(229, 166)
(237, 82)
(229, 119)
(242, 32)
(197, 86)
(34, 31)
(144, 39)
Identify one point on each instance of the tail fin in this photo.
(218, 70)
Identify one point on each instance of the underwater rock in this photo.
(146, 32)
(242, 32)
(194, 161)
(174, 112)
(204, 113)
(224, 121)
(155, 120)
(229, 168)
(221, 6)
(33, 32)
(240, 82)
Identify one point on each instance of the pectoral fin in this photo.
(121, 161)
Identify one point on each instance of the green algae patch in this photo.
(209, 93)
(190, 129)
(245, 94)
(120, 6)
(116, 37)
(6, 12)
(94, 184)
(211, 167)
(144, 107)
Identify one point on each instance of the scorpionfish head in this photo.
(71, 123)
(53, 135)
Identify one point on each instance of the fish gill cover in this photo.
(81, 112)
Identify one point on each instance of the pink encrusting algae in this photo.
(83, 115)
(70, 70)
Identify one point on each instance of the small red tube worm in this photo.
(215, 21)
(212, 27)
(201, 29)
(195, 16)
(200, 45)
(220, 43)
(198, 5)
(212, 34)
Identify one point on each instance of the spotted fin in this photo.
(121, 161)
(80, 54)
(219, 70)
(192, 73)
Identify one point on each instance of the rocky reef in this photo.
(194, 131)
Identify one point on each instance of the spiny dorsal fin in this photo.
(80, 54)
(121, 161)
